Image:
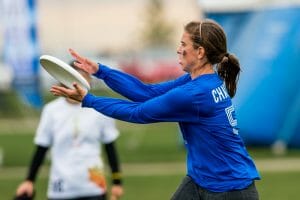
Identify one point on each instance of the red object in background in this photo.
(152, 70)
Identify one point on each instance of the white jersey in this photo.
(74, 134)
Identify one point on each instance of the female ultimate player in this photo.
(218, 165)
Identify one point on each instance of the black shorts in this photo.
(189, 190)
(98, 197)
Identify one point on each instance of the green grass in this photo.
(150, 143)
(16, 149)
(136, 187)
(279, 185)
(273, 186)
(159, 142)
(138, 144)
(9, 186)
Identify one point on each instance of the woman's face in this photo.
(187, 55)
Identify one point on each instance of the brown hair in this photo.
(211, 36)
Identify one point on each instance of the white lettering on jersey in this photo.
(233, 122)
(235, 131)
(219, 94)
(229, 110)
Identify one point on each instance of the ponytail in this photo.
(229, 70)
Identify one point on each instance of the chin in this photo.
(185, 68)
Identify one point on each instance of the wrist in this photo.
(30, 179)
(28, 183)
(102, 72)
(116, 178)
(96, 67)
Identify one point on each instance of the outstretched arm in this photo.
(27, 187)
(174, 106)
(123, 83)
(134, 89)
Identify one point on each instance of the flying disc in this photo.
(63, 72)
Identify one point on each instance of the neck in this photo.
(206, 68)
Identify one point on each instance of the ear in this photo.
(201, 53)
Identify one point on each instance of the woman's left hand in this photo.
(76, 94)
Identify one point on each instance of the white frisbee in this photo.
(63, 72)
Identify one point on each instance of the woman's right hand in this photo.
(84, 63)
(25, 188)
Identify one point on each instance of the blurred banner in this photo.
(267, 42)
(233, 24)
(269, 52)
(21, 48)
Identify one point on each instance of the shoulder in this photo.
(185, 77)
(205, 83)
(199, 89)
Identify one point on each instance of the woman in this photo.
(218, 165)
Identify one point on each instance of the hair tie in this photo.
(225, 58)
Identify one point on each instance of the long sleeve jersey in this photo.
(216, 155)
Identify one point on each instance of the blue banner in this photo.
(233, 24)
(268, 96)
(21, 48)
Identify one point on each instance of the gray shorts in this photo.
(188, 190)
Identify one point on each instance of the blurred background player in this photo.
(74, 134)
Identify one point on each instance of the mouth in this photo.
(179, 60)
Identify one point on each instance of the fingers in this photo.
(21, 191)
(25, 188)
(78, 58)
(77, 94)
(112, 197)
(79, 65)
(60, 91)
(80, 91)
(78, 88)
(116, 192)
(82, 62)
(75, 55)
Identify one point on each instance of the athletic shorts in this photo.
(98, 197)
(189, 190)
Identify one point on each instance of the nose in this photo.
(178, 50)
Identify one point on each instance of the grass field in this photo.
(153, 163)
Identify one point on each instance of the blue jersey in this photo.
(216, 155)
